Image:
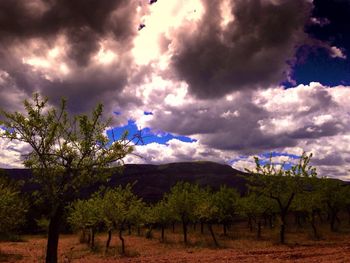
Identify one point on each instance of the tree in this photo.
(161, 215)
(256, 208)
(207, 210)
(334, 194)
(182, 200)
(119, 207)
(12, 206)
(310, 203)
(281, 185)
(68, 153)
(86, 215)
(226, 201)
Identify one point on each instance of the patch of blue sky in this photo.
(278, 154)
(318, 66)
(264, 158)
(148, 135)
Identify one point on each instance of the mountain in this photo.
(152, 181)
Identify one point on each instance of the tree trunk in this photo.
(184, 227)
(149, 232)
(83, 238)
(122, 240)
(202, 228)
(129, 229)
(320, 216)
(162, 237)
(173, 227)
(194, 226)
(224, 229)
(88, 238)
(297, 216)
(258, 234)
(250, 224)
(108, 240)
(53, 236)
(333, 220)
(313, 225)
(282, 233)
(271, 221)
(92, 245)
(213, 235)
(138, 230)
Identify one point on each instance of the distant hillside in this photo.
(154, 180)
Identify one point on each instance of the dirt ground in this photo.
(235, 248)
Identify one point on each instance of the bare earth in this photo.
(334, 248)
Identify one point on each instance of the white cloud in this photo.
(11, 153)
(336, 52)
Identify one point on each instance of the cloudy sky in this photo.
(204, 80)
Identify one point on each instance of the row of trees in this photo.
(12, 207)
(274, 195)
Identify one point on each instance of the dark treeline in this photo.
(275, 198)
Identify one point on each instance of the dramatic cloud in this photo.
(76, 49)
(176, 151)
(251, 46)
(208, 70)
(307, 117)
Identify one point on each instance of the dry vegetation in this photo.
(239, 246)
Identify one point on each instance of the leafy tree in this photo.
(182, 200)
(207, 210)
(334, 194)
(12, 206)
(281, 185)
(119, 206)
(256, 208)
(226, 201)
(68, 153)
(86, 215)
(310, 204)
(137, 215)
(347, 201)
(161, 215)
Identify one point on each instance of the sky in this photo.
(202, 80)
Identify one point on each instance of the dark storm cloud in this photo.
(32, 28)
(84, 21)
(249, 124)
(225, 125)
(256, 49)
(333, 159)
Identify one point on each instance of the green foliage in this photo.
(86, 214)
(12, 207)
(282, 185)
(68, 152)
(43, 224)
(182, 201)
(256, 206)
(161, 213)
(207, 209)
(120, 206)
(334, 195)
(226, 200)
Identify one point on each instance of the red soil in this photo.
(334, 248)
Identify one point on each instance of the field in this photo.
(239, 246)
